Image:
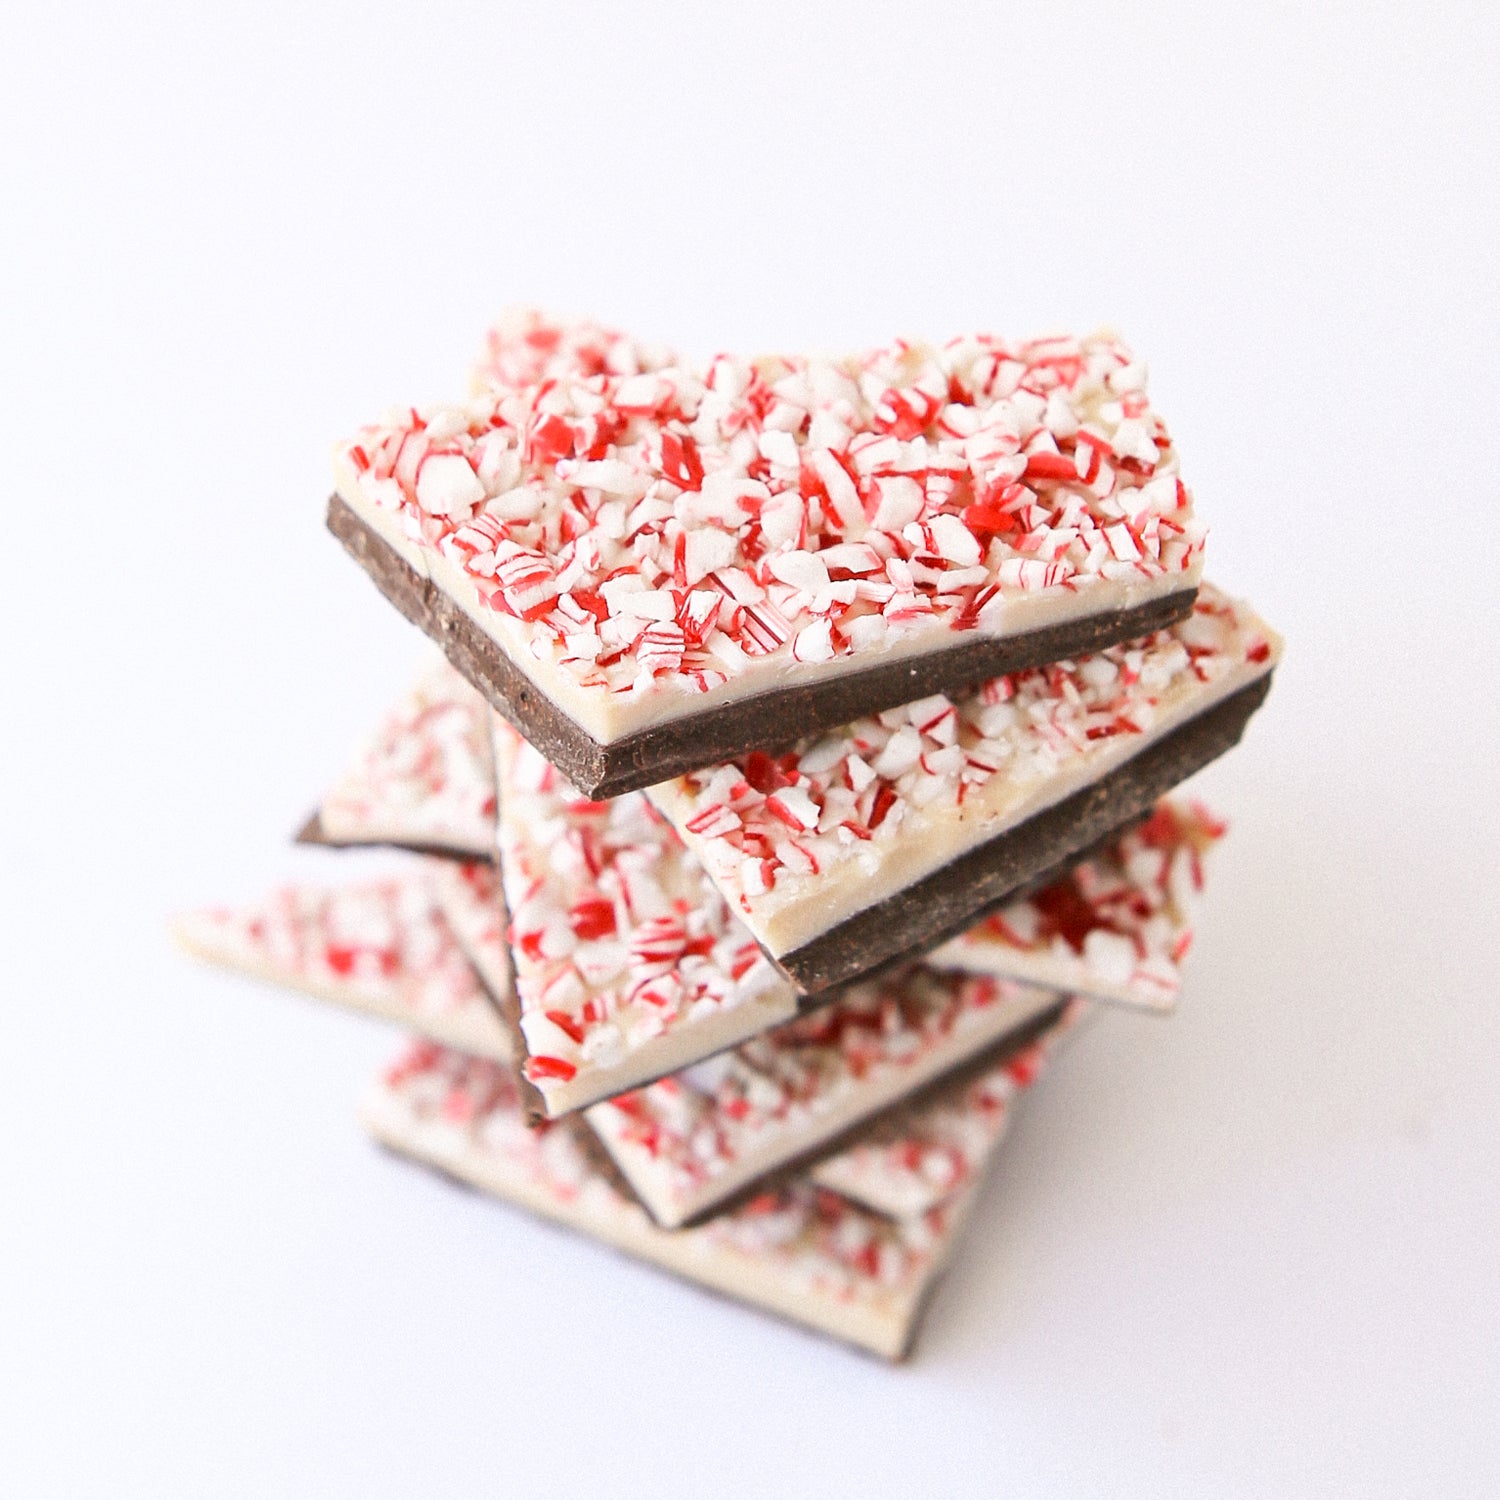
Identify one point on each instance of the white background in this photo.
(1250, 1250)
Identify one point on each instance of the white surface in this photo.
(1248, 1250)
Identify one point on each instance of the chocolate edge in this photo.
(470, 652)
(313, 833)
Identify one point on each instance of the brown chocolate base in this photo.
(953, 898)
(765, 721)
(313, 832)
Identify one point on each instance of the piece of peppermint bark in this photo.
(379, 946)
(423, 780)
(627, 963)
(649, 567)
(921, 1153)
(803, 1252)
(1117, 926)
(690, 1143)
(890, 835)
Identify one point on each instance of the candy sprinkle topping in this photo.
(640, 523)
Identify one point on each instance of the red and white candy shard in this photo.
(381, 947)
(628, 964)
(803, 841)
(424, 777)
(803, 1252)
(1116, 927)
(691, 1141)
(644, 538)
(916, 1157)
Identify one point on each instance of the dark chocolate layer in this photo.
(765, 721)
(313, 832)
(953, 898)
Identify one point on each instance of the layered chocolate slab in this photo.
(1117, 926)
(803, 1252)
(898, 831)
(381, 947)
(649, 567)
(423, 780)
(692, 1142)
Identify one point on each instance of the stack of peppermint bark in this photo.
(796, 780)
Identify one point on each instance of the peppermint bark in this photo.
(692, 1142)
(923, 1153)
(423, 780)
(1116, 927)
(643, 564)
(628, 963)
(381, 947)
(805, 1253)
(898, 831)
